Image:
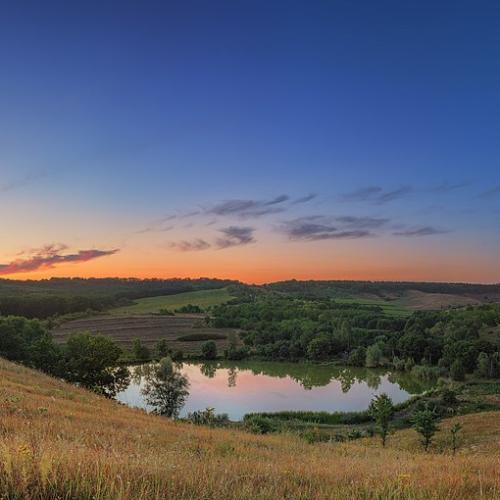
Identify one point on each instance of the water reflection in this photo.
(243, 387)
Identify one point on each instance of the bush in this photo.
(189, 309)
(208, 417)
(140, 351)
(194, 337)
(315, 435)
(260, 425)
(209, 350)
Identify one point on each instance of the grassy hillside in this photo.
(150, 305)
(57, 441)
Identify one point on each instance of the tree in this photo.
(425, 423)
(318, 348)
(162, 348)
(454, 436)
(381, 409)
(166, 389)
(92, 361)
(140, 351)
(374, 356)
(357, 357)
(209, 350)
(457, 370)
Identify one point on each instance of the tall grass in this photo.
(58, 442)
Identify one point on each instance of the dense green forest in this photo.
(451, 342)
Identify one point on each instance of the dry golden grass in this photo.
(57, 441)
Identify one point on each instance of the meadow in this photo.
(59, 441)
(153, 305)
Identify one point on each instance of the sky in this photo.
(258, 141)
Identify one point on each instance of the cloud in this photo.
(235, 236)
(162, 229)
(191, 246)
(420, 231)
(447, 187)
(249, 208)
(304, 199)
(21, 182)
(377, 195)
(318, 227)
(362, 222)
(49, 257)
(491, 193)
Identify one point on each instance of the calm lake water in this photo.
(247, 387)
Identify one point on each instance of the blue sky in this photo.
(116, 114)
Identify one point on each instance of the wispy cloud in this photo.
(235, 236)
(420, 231)
(376, 194)
(319, 227)
(21, 182)
(304, 199)
(49, 257)
(191, 246)
(447, 187)
(249, 208)
(491, 193)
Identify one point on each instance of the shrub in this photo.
(260, 425)
(208, 417)
(315, 435)
(209, 350)
(140, 351)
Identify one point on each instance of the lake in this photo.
(251, 386)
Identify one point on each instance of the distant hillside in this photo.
(409, 295)
(58, 441)
(45, 298)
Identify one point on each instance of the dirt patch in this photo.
(150, 329)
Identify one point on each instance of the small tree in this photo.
(374, 356)
(454, 436)
(457, 370)
(162, 348)
(209, 350)
(425, 423)
(382, 409)
(140, 351)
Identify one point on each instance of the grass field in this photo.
(151, 305)
(58, 441)
(150, 329)
(392, 308)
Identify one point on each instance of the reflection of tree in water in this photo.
(231, 377)
(165, 389)
(373, 379)
(346, 378)
(409, 383)
(208, 369)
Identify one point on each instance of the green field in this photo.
(151, 305)
(392, 308)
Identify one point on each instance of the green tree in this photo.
(381, 409)
(209, 350)
(374, 356)
(92, 361)
(166, 389)
(318, 348)
(357, 357)
(140, 351)
(162, 348)
(454, 436)
(457, 370)
(425, 423)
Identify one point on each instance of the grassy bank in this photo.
(57, 441)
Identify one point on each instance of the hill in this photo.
(59, 441)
